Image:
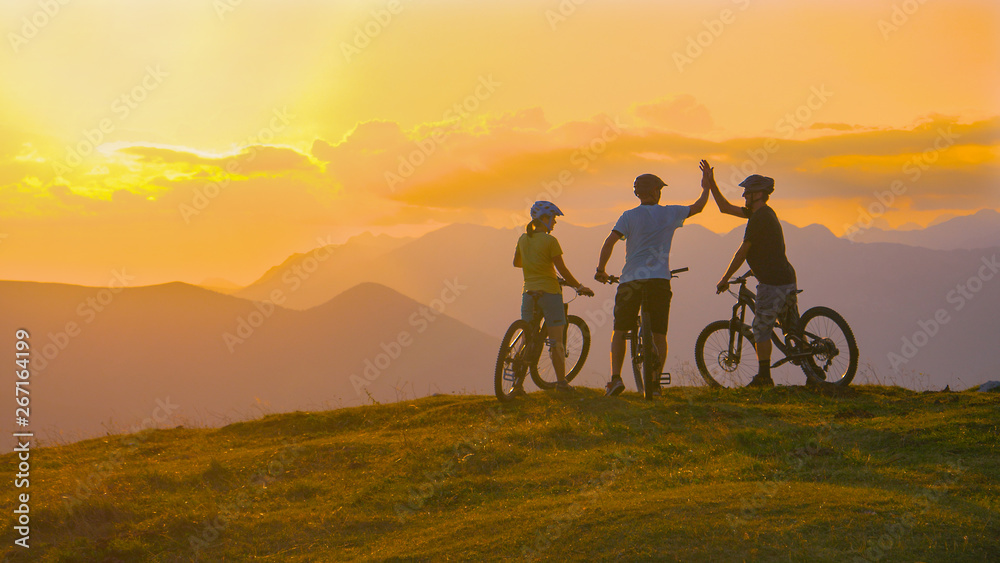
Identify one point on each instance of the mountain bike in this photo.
(522, 347)
(820, 342)
(643, 351)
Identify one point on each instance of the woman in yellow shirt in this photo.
(538, 253)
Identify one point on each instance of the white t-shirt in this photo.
(648, 230)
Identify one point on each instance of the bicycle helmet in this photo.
(544, 208)
(757, 183)
(648, 182)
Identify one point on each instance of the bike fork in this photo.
(735, 332)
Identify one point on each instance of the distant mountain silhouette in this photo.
(979, 230)
(297, 269)
(220, 285)
(884, 291)
(112, 356)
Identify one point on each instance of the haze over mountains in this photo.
(180, 354)
(400, 318)
(979, 230)
(885, 290)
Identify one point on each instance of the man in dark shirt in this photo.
(763, 249)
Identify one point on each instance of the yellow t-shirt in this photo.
(537, 252)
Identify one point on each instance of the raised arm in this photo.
(696, 207)
(708, 181)
(606, 250)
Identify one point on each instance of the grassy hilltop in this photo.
(700, 475)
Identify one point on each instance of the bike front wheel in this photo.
(576, 346)
(512, 360)
(834, 350)
(726, 357)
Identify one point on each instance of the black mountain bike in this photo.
(522, 347)
(643, 351)
(820, 342)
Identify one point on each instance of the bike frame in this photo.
(745, 298)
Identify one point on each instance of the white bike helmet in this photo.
(544, 208)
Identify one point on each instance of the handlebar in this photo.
(741, 279)
(615, 279)
(564, 283)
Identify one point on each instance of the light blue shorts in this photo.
(551, 305)
(774, 302)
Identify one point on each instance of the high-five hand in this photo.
(707, 175)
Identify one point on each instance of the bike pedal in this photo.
(665, 378)
(509, 375)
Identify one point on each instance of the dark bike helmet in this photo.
(757, 183)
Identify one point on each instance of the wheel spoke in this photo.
(831, 342)
(576, 345)
(723, 360)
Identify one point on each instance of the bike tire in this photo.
(636, 349)
(717, 366)
(576, 342)
(826, 330)
(511, 360)
(649, 361)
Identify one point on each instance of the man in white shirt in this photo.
(645, 281)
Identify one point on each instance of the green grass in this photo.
(783, 474)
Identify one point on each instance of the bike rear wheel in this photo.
(576, 343)
(637, 347)
(650, 375)
(643, 356)
(512, 360)
(720, 358)
(835, 350)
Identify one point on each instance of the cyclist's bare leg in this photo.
(617, 352)
(557, 352)
(764, 351)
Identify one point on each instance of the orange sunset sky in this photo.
(197, 139)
